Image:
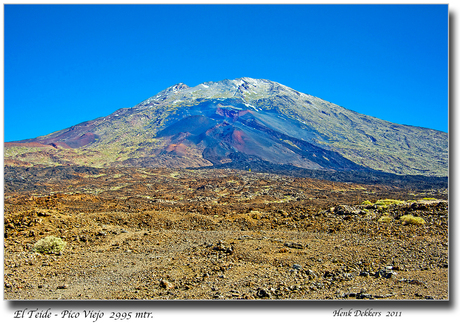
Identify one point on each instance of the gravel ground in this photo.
(158, 234)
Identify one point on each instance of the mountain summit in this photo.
(235, 121)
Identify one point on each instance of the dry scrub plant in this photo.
(49, 244)
(410, 219)
(385, 219)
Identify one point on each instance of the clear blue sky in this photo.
(387, 61)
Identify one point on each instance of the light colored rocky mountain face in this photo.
(230, 121)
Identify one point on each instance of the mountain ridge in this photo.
(206, 125)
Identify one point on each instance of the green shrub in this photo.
(410, 219)
(49, 244)
(387, 202)
(385, 219)
(367, 202)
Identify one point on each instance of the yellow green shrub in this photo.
(388, 202)
(410, 219)
(49, 244)
(385, 219)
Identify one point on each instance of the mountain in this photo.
(230, 122)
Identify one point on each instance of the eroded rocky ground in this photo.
(219, 234)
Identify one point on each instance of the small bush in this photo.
(385, 219)
(367, 202)
(410, 219)
(49, 244)
(387, 202)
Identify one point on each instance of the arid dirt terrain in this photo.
(138, 233)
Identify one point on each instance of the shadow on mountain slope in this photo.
(241, 162)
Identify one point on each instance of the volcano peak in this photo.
(229, 121)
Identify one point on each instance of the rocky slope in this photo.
(236, 121)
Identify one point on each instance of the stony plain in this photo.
(220, 234)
